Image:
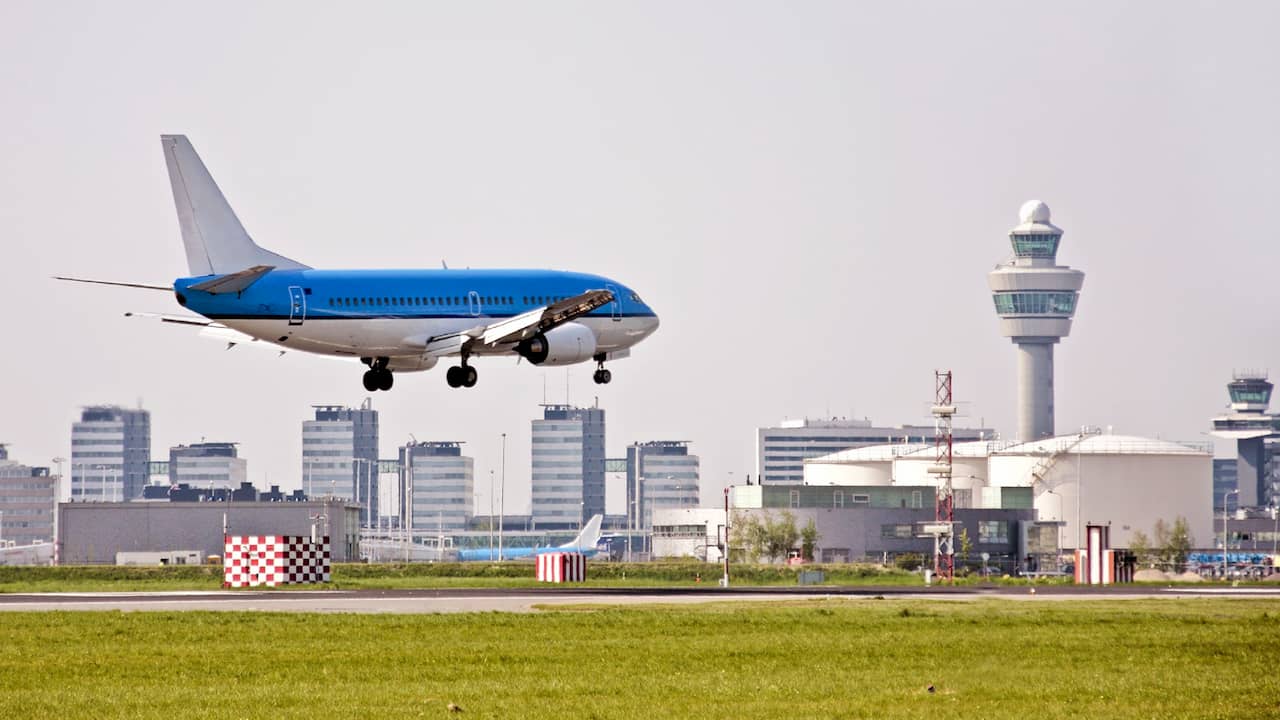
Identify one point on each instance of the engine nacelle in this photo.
(562, 345)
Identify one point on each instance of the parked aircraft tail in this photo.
(215, 241)
(587, 538)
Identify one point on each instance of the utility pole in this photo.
(502, 500)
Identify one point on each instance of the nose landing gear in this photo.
(602, 376)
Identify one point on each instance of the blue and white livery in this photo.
(391, 320)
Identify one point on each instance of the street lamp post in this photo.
(502, 498)
(1224, 529)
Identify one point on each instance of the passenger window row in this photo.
(438, 301)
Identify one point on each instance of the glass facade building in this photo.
(660, 474)
(110, 454)
(781, 450)
(340, 456)
(568, 464)
(28, 496)
(207, 465)
(441, 483)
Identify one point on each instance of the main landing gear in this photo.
(461, 375)
(378, 376)
(602, 376)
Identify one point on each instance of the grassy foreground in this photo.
(816, 659)
(348, 576)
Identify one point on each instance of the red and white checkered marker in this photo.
(273, 560)
(558, 567)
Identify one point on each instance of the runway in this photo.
(456, 600)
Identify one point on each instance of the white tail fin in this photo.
(215, 240)
(589, 536)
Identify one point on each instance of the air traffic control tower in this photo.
(1035, 299)
(1251, 427)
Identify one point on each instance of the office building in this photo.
(660, 474)
(441, 484)
(340, 456)
(1224, 485)
(28, 496)
(568, 466)
(781, 450)
(207, 465)
(1035, 299)
(110, 454)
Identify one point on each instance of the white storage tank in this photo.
(1129, 481)
(864, 466)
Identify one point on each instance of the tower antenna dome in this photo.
(1034, 211)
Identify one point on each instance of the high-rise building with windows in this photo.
(568, 466)
(340, 456)
(441, 483)
(781, 450)
(28, 496)
(110, 454)
(207, 465)
(660, 474)
(1257, 436)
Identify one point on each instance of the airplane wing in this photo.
(520, 327)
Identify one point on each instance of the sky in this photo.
(810, 195)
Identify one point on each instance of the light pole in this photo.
(1224, 529)
(502, 499)
(1275, 527)
(490, 514)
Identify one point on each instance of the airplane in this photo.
(584, 543)
(393, 321)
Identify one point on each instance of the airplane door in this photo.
(473, 301)
(297, 305)
(615, 306)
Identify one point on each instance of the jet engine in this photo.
(561, 345)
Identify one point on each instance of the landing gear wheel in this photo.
(453, 376)
(386, 380)
(469, 377)
(602, 377)
(370, 380)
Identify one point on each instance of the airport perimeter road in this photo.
(527, 599)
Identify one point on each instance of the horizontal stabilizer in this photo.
(234, 282)
(143, 286)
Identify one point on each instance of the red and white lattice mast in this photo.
(944, 410)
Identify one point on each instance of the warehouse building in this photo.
(93, 533)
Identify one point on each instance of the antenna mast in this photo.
(944, 410)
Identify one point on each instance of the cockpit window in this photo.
(636, 299)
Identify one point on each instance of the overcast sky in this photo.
(809, 194)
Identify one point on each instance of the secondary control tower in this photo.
(1035, 299)
(1254, 431)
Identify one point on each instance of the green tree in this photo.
(809, 540)
(1140, 546)
(781, 535)
(1178, 545)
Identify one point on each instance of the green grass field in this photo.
(108, 578)
(815, 659)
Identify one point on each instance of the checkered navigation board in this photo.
(272, 560)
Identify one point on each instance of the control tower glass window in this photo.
(1037, 245)
(1035, 303)
(1259, 393)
